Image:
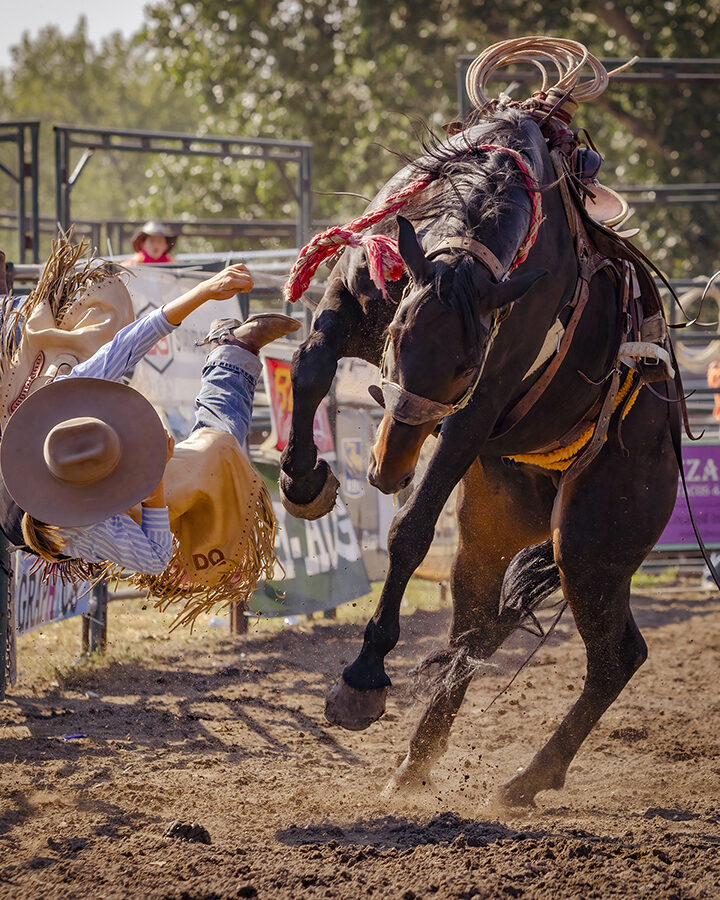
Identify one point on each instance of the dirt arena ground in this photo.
(229, 733)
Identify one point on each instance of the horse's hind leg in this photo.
(500, 511)
(604, 525)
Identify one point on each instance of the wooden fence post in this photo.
(238, 619)
(94, 631)
(5, 588)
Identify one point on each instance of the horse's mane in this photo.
(476, 190)
(467, 171)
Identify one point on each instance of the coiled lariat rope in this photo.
(568, 57)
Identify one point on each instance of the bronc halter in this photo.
(412, 409)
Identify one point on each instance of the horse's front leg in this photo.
(358, 697)
(308, 487)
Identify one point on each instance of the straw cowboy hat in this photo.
(82, 449)
(53, 343)
(150, 229)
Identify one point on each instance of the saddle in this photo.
(644, 350)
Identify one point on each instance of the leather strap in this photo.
(608, 408)
(675, 395)
(589, 262)
(474, 248)
(600, 433)
(404, 406)
(526, 403)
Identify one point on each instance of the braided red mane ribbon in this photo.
(384, 260)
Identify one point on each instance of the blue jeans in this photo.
(227, 389)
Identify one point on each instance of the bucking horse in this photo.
(528, 342)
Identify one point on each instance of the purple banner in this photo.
(702, 474)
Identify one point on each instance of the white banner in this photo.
(169, 376)
(37, 603)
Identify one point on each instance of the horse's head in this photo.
(435, 353)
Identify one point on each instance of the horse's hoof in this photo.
(517, 792)
(353, 709)
(323, 502)
(409, 778)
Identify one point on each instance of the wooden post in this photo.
(3, 276)
(5, 587)
(94, 629)
(238, 619)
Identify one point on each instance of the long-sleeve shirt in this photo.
(146, 547)
(128, 347)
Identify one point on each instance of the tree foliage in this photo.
(61, 79)
(356, 77)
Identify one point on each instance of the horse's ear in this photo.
(514, 288)
(418, 265)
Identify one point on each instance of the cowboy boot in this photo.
(252, 334)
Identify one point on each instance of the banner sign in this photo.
(321, 560)
(37, 603)
(279, 391)
(702, 474)
(169, 375)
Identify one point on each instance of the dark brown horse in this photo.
(587, 534)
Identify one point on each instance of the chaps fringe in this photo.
(59, 284)
(236, 585)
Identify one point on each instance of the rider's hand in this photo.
(224, 285)
(221, 286)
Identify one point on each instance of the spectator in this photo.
(152, 244)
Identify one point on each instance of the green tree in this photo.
(355, 76)
(67, 80)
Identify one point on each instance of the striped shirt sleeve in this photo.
(127, 348)
(145, 548)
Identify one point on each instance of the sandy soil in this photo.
(228, 733)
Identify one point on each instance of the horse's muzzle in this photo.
(395, 454)
(383, 484)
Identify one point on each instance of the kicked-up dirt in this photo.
(114, 778)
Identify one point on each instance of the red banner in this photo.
(281, 406)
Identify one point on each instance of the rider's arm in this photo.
(127, 348)
(145, 548)
(133, 341)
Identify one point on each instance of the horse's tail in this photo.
(530, 579)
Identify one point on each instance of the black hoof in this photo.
(323, 501)
(353, 709)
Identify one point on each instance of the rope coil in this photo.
(568, 57)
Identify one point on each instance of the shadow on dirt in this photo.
(393, 833)
(182, 709)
